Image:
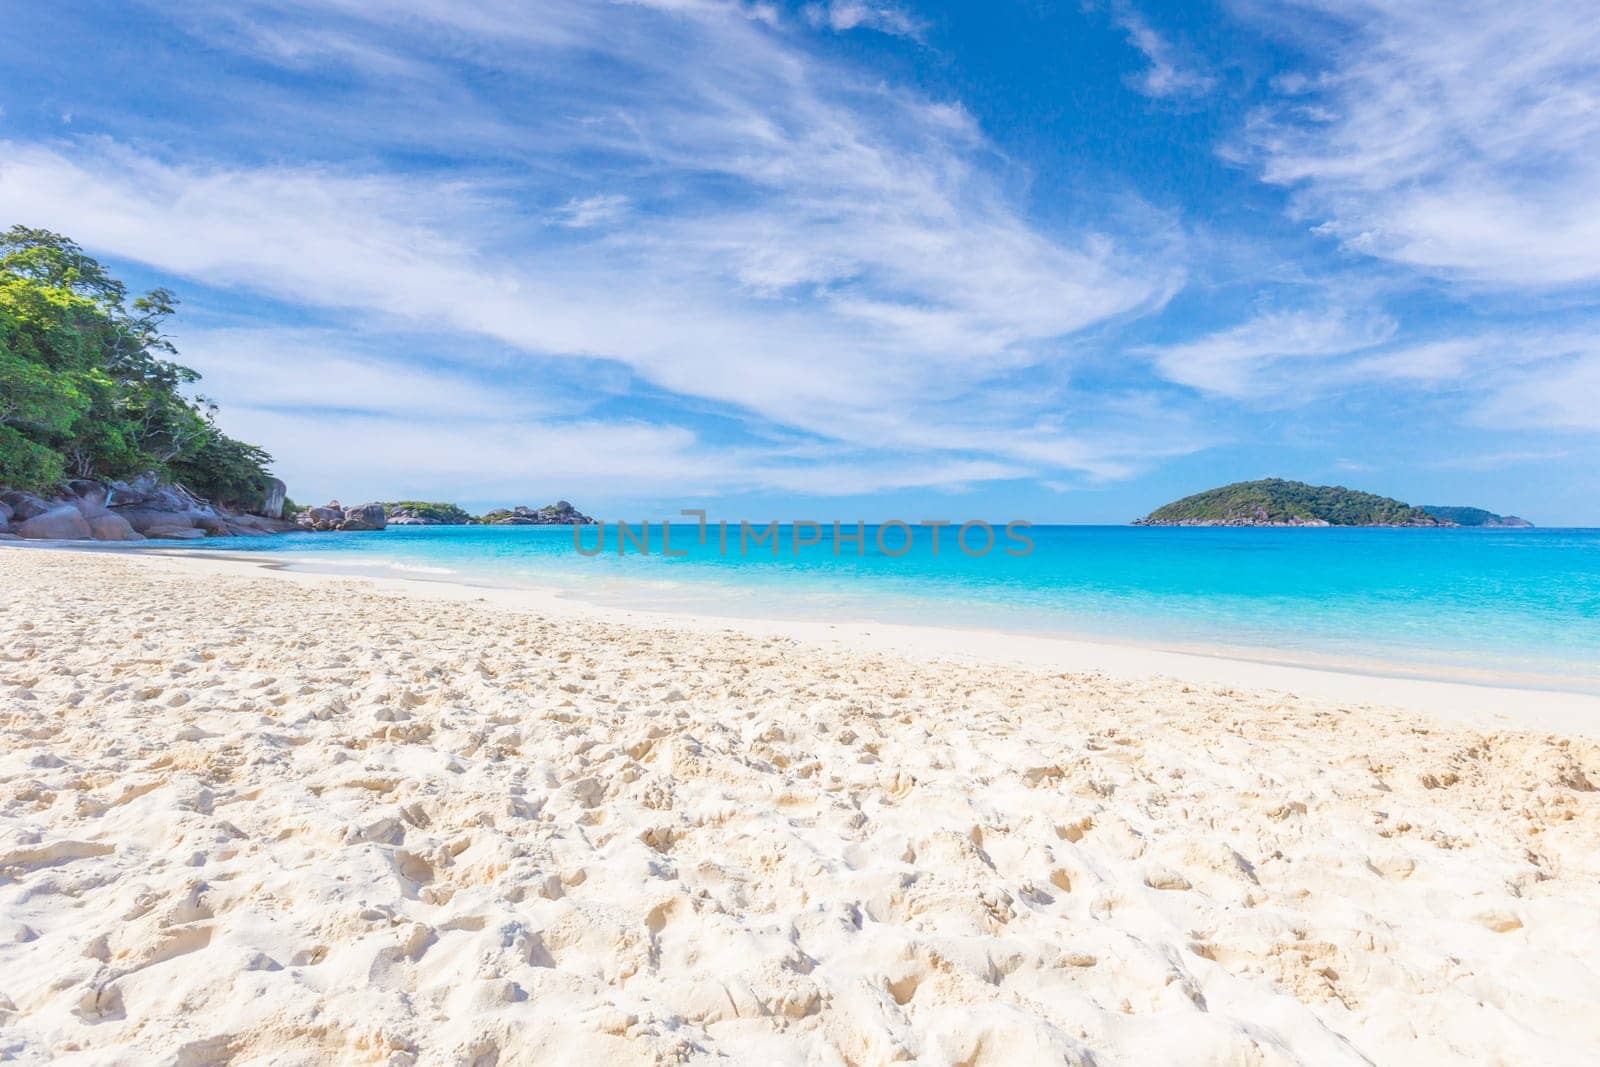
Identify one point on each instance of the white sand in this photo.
(254, 818)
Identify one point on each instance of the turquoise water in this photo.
(1522, 605)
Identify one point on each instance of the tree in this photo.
(87, 385)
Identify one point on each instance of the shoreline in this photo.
(1481, 703)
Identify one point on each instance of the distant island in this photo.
(366, 517)
(1473, 516)
(1279, 502)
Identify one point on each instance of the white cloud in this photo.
(1557, 394)
(1495, 461)
(1171, 73)
(322, 370)
(1439, 362)
(857, 272)
(1459, 138)
(842, 16)
(500, 461)
(1244, 361)
(581, 213)
(974, 296)
(1503, 378)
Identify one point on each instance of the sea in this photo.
(1512, 606)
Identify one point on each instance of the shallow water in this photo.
(1519, 605)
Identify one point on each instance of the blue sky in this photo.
(858, 258)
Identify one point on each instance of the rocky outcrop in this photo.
(159, 509)
(426, 513)
(61, 523)
(561, 513)
(112, 527)
(364, 517)
(146, 507)
(174, 533)
(335, 516)
(1256, 517)
(327, 517)
(272, 501)
(24, 506)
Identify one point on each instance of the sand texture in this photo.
(258, 820)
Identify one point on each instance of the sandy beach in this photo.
(257, 817)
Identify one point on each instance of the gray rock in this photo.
(561, 513)
(109, 526)
(142, 519)
(327, 517)
(364, 517)
(62, 523)
(148, 504)
(89, 496)
(334, 516)
(24, 506)
(174, 533)
(271, 505)
(150, 493)
(143, 504)
(215, 525)
(254, 525)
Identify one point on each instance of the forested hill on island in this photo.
(1277, 502)
(1473, 516)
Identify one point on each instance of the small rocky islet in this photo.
(332, 516)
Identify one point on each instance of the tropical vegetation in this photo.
(1275, 501)
(89, 387)
(1463, 516)
(430, 510)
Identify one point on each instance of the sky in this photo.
(849, 258)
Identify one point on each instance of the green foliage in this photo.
(1274, 500)
(217, 467)
(451, 514)
(86, 388)
(25, 464)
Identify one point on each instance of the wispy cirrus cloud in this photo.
(326, 373)
(1172, 72)
(1524, 378)
(1528, 378)
(830, 255)
(1266, 354)
(844, 15)
(1561, 396)
(1458, 138)
(699, 227)
(600, 209)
